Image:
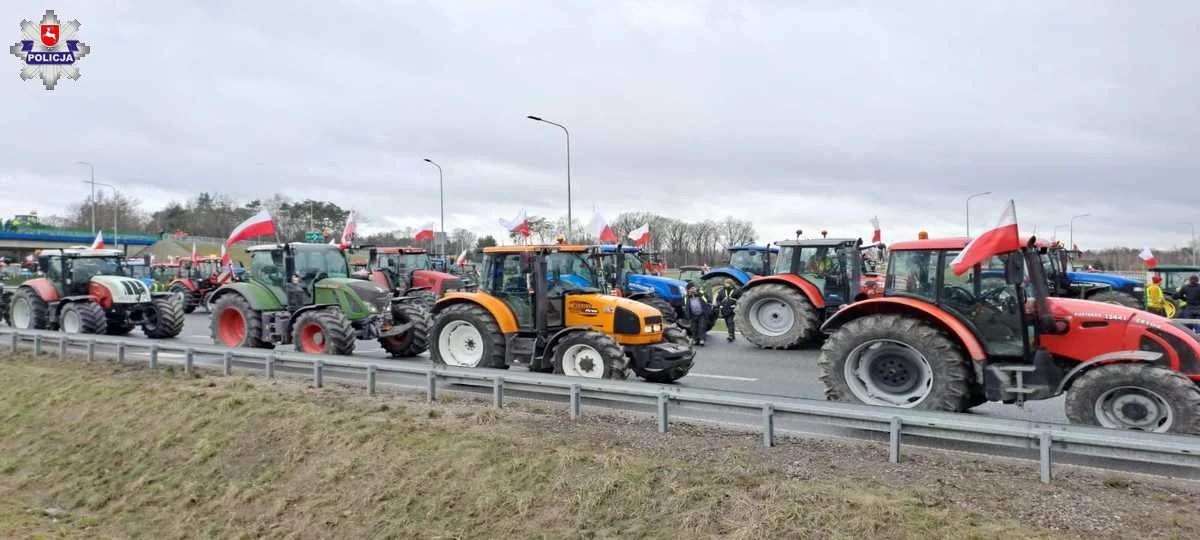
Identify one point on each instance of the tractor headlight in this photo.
(654, 328)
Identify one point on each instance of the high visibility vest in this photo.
(1154, 296)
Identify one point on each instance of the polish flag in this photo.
(878, 235)
(519, 224)
(226, 262)
(1147, 256)
(599, 228)
(1002, 238)
(640, 235)
(98, 243)
(259, 224)
(462, 258)
(425, 232)
(351, 228)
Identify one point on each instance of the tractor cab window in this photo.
(1173, 281)
(83, 268)
(633, 264)
(983, 297)
(912, 273)
(508, 278)
(54, 269)
(567, 272)
(749, 261)
(315, 261)
(268, 267)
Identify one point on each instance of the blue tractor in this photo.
(624, 270)
(1110, 288)
(745, 262)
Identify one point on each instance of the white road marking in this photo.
(722, 377)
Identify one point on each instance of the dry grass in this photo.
(114, 452)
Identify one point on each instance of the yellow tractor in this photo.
(536, 307)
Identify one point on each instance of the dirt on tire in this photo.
(804, 327)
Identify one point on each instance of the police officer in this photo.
(724, 303)
(1190, 293)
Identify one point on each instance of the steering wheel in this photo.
(999, 299)
(959, 295)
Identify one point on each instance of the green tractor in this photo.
(302, 294)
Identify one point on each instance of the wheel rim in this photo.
(771, 317)
(582, 360)
(22, 314)
(1132, 407)
(312, 338)
(70, 321)
(889, 373)
(231, 327)
(460, 344)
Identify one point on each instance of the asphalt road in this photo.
(738, 367)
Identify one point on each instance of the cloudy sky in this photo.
(793, 114)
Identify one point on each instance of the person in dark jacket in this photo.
(697, 310)
(723, 303)
(1190, 293)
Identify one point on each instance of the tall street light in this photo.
(93, 199)
(564, 128)
(969, 197)
(441, 202)
(116, 205)
(1071, 230)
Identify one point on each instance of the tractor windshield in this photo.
(137, 270)
(569, 271)
(82, 268)
(313, 261)
(748, 261)
(403, 262)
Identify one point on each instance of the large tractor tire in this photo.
(775, 316)
(659, 303)
(235, 324)
(1116, 297)
(189, 303)
(466, 335)
(424, 298)
(28, 311)
(710, 285)
(593, 355)
(413, 342)
(1139, 397)
(323, 331)
(166, 318)
(895, 361)
(85, 317)
(677, 336)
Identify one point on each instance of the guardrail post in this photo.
(62, 346)
(371, 379)
(271, 366)
(14, 341)
(318, 374)
(576, 401)
(91, 350)
(120, 352)
(430, 385)
(498, 392)
(663, 421)
(227, 363)
(154, 356)
(768, 413)
(894, 440)
(188, 360)
(37, 345)
(1045, 440)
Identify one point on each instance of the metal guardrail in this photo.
(1049, 439)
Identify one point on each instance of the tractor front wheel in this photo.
(323, 331)
(235, 324)
(165, 318)
(83, 318)
(28, 311)
(590, 354)
(895, 361)
(466, 335)
(668, 311)
(424, 298)
(677, 336)
(776, 316)
(189, 303)
(1139, 397)
(413, 342)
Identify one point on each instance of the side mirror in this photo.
(1014, 270)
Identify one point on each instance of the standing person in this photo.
(1155, 303)
(724, 303)
(697, 311)
(1190, 293)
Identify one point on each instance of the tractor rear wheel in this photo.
(165, 318)
(235, 324)
(466, 335)
(413, 342)
(323, 331)
(28, 311)
(85, 317)
(1116, 297)
(1139, 397)
(590, 354)
(775, 316)
(710, 285)
(424, 298)
(677, 336)
(189, 303)
(895, 361)
(659, 303)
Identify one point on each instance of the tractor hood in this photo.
(1114, 281)
(124, 290)
(1096, 328)
(662, 286)
(366, 292)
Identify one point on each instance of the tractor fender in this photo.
(1116, 357)
(910, 306)
(814, 296)
(44, 289)
(186, 283)
(738, 276)
(499, 310)
(559, 335)
(259, 297)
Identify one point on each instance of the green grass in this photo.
(142, 454)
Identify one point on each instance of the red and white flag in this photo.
(640, 235)
(878, 235)
(1002, 238)
(195, 258)
(425, 232)
(1148, 256)
(226, 262)
(599, 228)
(349, 230)
(519, 224)
(259, 224)
(98, 243)
(462, 258)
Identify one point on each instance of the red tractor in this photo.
(937, 340)
(813, 279)
(196, 281)
(406, 271)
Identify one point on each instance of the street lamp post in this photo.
(570, 224)
(1071, 230)
(116, 206)
(441, 202)
(93, 199)
(969, 197)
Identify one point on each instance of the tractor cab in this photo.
(1064, 282)
(408, 270)
(745, 262)
(292, 272)
(833, 265)
(623, 273)
(690, 274)
(70, 270)
(1174, 276)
